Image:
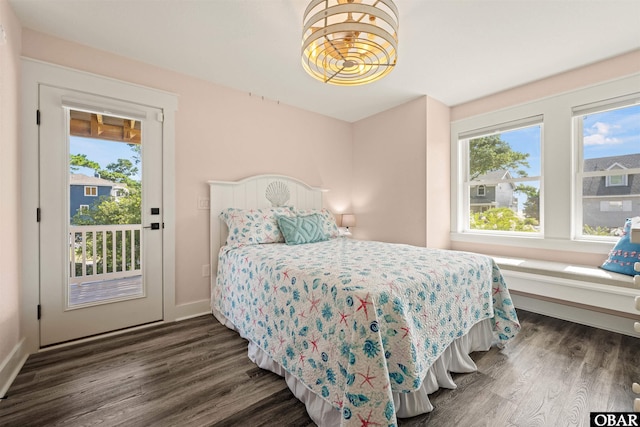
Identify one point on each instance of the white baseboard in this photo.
(11, 365)
(621, 325)
(192, 309)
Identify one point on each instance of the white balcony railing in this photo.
(104, 252)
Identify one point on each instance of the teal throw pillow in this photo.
(302, 229)
(624, 255)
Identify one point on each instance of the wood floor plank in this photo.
(197, 373)
(593, 384)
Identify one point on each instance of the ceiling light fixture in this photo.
(350, 42)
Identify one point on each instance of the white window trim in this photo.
(463, 143)
(605, 104)
(83, 208)
(613, 184)
(625, 177)
(558, 207)
(89, 187)
(482, 193)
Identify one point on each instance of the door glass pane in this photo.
(105, 194)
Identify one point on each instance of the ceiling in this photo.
(452, 50)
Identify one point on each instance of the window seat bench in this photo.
(579, 293)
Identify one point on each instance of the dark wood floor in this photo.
(196, 373)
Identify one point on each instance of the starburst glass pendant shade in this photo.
(350, 42)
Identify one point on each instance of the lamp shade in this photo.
(348, 220)
(349, 42)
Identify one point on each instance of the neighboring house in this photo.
(489, 196)
(86, 190)
(608, 200)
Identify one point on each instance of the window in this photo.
(119, 192)
(83, 208)
(608, 143)
(616, 180)
(616, 206)
(90, 190)
(568, 186)
(503, 176)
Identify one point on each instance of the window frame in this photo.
(463, 143)
(624, 176)
(557, 205)
(578, 111)
(90, 187)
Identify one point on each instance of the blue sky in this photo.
(609, 133)
(526, 140)
(612, 133)
(101, 151)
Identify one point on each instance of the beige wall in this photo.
(10, 247)
(599, 72)
(221, 134)
(389, 193)
(401, 174)
(391, 169)
(438, 171)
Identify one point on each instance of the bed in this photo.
(361, 331)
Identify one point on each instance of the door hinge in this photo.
(39, 311)
(38, 117)
(37, 214)
(160, 117)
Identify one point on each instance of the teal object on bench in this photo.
(624, 255)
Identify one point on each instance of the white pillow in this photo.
(254, 226)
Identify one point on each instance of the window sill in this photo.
(535, 242)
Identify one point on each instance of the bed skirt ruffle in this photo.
(455, 359)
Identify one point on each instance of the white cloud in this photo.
(602, 128)
(598, 135)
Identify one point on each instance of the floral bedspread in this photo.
(356, 320)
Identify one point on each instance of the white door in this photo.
(101, 228)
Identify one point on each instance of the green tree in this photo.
(108, 211)
(80, 160)
(531, 208)
(503, 219)
(596, 231)
(491, 153)
(121, 171)
(123, 210)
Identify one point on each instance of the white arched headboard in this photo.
(260, 191)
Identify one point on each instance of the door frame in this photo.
(35, 73)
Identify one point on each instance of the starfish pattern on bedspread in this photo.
(351, 341)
